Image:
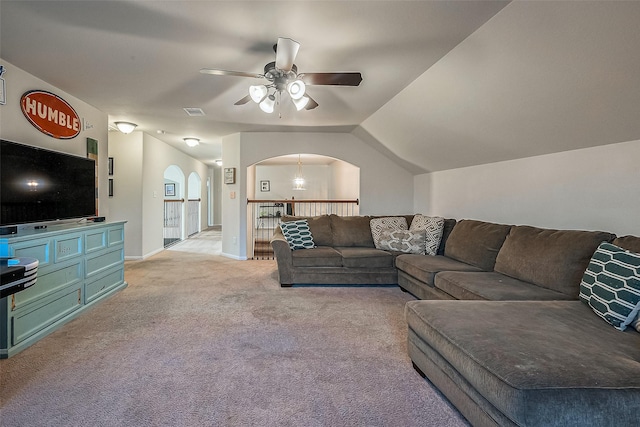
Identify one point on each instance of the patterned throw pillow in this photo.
(298, 234)
(386, 223)
(611, 285)
(636, 323)
(412, 242)
(433, 226)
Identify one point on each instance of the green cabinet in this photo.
(79, 265)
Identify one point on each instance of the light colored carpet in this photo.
(201, 340)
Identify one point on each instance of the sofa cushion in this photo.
(413, 242)
(630, 243)
(432, 226)
(351, 231)
(476, 242)
(298, 234)
(492, 286)
(541, 363)
(321, 256)
(320, 227)
(424, 268)
(378, 225)
(365, 258)
(449, 223)
(611, 285)
(553, 259)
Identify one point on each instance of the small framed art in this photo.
(170, 190)
(229, 175)
(265, 186)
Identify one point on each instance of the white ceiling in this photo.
(445, 83)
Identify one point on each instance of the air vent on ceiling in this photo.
(194, 111)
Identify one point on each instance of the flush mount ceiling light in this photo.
(218, 162)
(192, 142)
(126, 127)
(283, 79)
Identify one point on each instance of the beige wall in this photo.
(593, 189)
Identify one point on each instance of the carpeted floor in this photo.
(201, 340)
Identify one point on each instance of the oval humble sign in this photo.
(50, 114)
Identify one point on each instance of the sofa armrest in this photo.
(282, 253)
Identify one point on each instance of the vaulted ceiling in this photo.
(445, 84)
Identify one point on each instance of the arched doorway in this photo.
(300, 185)
(174, 188)
(194, 201)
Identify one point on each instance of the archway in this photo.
(331, 186)
(194, 189)
(174, 188)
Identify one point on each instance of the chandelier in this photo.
(299, 181)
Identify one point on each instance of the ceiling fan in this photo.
(283, 77)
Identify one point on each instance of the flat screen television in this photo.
(38, 185)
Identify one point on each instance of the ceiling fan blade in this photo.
(339, 79)
(311, 104)
(230, 73)
(243, 100)
(286, 52)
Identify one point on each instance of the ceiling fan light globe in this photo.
(301, 103)
(257, 93)
(296, 89)
(267, 105)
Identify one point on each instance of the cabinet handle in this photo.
(79, 296)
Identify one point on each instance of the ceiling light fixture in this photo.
(299, 181)
(218, 162)
(126, 127)
(192, 142)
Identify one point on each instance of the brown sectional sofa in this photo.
(499, 328)
(344, 254)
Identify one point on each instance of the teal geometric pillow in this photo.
(298, 234)
(611, 285)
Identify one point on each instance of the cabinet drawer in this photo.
(100, 263)
(94, 241)
(38, 249)
(26, 324)
(116, 235)
(67, 247)
(98, 287)
(47, 284)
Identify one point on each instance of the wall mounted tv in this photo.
(38, 185)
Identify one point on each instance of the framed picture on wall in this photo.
(170, 189)
(110, 166)
(265, 186)
(229, 175)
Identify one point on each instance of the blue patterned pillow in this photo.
(298, 234)
(611, 285)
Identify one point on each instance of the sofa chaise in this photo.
(503, 328)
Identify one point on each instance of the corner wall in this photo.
(592, 189)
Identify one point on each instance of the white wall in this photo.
(385, 187)
(139, 194)
(126, 203)
(592, 189)
(15, 127)
(345, 180)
